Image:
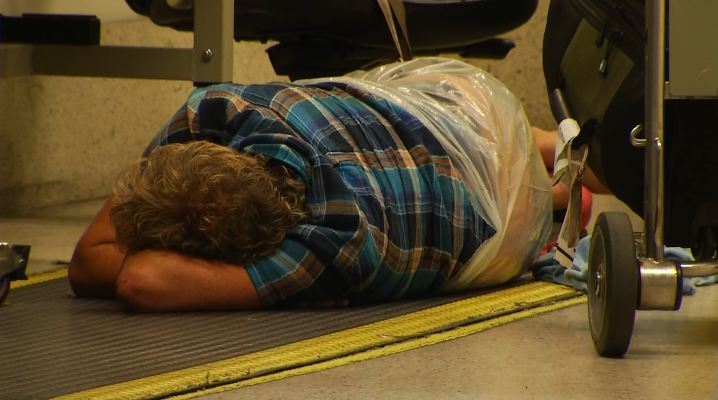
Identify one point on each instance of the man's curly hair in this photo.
(206, 200)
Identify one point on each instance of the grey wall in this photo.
(522, 69)
(66, 139)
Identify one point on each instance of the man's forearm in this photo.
(162, 280)
(97, 259)
(154, 280)
(94, 269)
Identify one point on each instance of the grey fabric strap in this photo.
(395, 16)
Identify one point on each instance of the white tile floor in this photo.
(673, 355)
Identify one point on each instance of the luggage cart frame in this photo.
(620, 282)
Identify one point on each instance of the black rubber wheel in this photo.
(4, 288)
(612, 284)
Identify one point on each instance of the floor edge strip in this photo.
(412, 330)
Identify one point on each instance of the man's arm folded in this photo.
(161, 281)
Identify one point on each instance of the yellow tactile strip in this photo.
(372, 340)
(40, 278)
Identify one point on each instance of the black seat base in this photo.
(298, 60)
(350, 34)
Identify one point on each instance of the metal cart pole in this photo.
(655, 80)
(660, 281)
(618, 284)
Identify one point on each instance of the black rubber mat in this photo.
(53, 343)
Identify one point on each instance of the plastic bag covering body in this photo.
(484, 129)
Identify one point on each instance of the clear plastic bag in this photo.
(484, 129)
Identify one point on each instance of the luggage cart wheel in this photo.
(612, 284)
(4, 288)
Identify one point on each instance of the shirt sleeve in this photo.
(303, 267)
(294, 274)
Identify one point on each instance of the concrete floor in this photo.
(673, 355)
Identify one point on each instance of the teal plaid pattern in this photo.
(389, 216)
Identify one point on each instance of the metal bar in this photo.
(213, 41)
(655, 82)
(209, 61)
(699, 269)
(559, 108)
(96, 61)
(113, 61)
(15, 60)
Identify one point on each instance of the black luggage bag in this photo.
(593, 52)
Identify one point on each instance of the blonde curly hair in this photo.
(206, 200)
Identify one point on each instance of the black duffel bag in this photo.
(593, 52)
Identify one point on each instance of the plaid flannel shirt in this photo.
(389, 216)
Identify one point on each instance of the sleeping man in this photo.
(411, 179)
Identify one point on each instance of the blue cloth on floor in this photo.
(546, 268)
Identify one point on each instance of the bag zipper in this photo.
(616, 22)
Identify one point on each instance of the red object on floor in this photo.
(586, 205)
(585, 217)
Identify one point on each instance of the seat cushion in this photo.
(431, 24)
